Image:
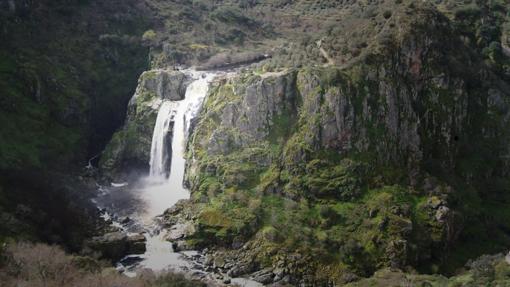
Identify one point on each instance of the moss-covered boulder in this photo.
(129, 148)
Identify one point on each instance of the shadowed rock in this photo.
(129, 148)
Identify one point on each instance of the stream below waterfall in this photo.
(134, 208)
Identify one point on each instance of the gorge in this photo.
(162, 189)
(261, 142)
(164, 185)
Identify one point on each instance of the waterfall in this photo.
(159, 151)
(163, 191)
(158, 191)
(187, 110)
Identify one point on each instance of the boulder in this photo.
(136, 244)
(264, 276)
(178, 231)
(241, 268)
(165, 84)
(180, 245)
(116, 245)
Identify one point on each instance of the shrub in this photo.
(175, 280)
(149, 36)
(231, 15)
(38, 265)
(466, 12)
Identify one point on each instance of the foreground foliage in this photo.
(35, 265)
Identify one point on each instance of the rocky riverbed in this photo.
(128, 243)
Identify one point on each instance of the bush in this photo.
(231, 15)
(175, 280)
(467, 12)
(493, 51)
(149, 36)
(38, 265)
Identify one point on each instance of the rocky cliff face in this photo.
(390, 161)
(129, 150)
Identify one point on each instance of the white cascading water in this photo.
(159, 156)
(188, 109)
(159, 192)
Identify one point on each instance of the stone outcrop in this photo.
(115, 245)
(247, 119)
(129, 149)
(226, 61)
(166, 85)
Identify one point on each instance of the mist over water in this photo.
(163, 187)
(149, 196)
(161, 191)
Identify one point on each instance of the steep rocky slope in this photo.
(372, 134)
(129, 150)
(399, 159)
(65, 65)
(67, 71)
(377, 138)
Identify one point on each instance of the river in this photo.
(148, 197)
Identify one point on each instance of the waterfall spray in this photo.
(165, 183)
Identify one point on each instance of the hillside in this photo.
(359, 142)
(67, 71)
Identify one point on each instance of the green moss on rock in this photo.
(365, 167)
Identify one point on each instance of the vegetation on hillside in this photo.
(421, 187)
(365, 165)
(67, 71)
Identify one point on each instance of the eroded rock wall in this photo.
(129, 150)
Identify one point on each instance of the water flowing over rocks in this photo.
(161, 139)
(162, 243)
(129, 150)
